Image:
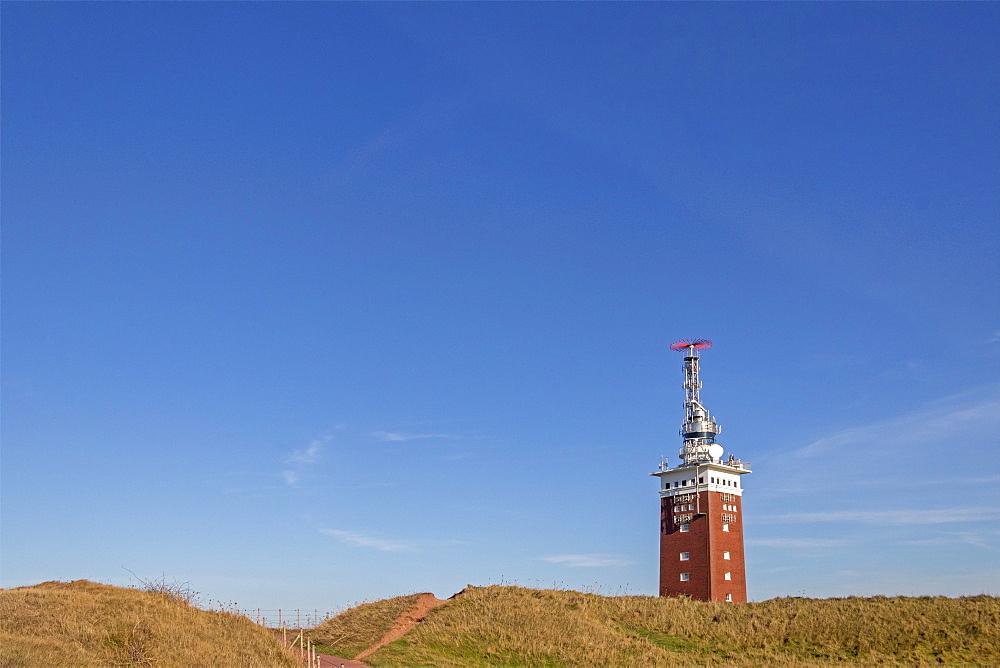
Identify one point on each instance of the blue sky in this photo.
(309, 303)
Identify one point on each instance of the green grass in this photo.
(513, 626)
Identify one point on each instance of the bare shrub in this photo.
(174, 590)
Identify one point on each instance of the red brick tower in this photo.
(701, 511)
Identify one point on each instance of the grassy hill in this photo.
(355, 630)
(513, 626)
(86, 624)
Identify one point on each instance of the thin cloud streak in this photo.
(882, 517)
(937, 423)
(398, 436)
(586, 560)
(797, 543)
(363, 540)
(963, 537)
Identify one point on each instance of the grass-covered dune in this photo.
(513, 626)
(86, 624)
(355, 630)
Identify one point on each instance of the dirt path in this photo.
(327, 661)
(405, 622)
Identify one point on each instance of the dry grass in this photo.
(355, 630)
(513, 626)
(86, 624)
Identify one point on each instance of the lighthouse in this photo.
(701, 508)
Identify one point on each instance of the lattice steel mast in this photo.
(699, 429)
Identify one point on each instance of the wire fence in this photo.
(289, 624)
(277, 618)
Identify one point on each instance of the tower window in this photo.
(725, 555)
(687, 527)
(701, 479)
(725, 527)
(727, 576)
(685, 556)
(685, 577)
(729, 598)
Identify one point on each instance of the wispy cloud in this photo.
(796, 543)
(404, 436)
(936, 423)
(301, 458)
(951, 538)
(881, 517)
(311, 454)
(586, 560)
(392, 147)
(936, 481)
(364, 540)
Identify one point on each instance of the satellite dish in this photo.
(715, 451)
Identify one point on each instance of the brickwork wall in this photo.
(705, 541)
(673, 541)
(727, 541)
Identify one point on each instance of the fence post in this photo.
(279, 616)
(298, 618)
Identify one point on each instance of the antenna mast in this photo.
(699, 429)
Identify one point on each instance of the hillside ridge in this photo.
(406, 621)
(515, 626)
(83, 623)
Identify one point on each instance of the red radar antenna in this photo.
(691, 344)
